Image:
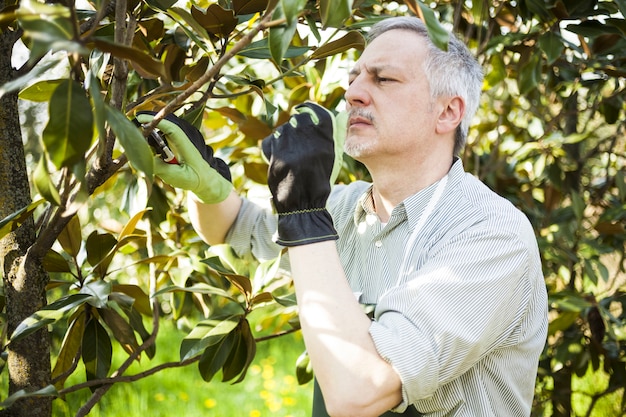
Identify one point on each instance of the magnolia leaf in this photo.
(48, 315)
(43, 182)
(247, 339)
(99, 291)
(244, 7)
(215, 356)
(69, 132)
(40, 91)
(137, 57)
(216, 20)
(236, 361)
(98, 246)
(438, 34)
(335, 12)
(291, 9)
(47, 28)
(552, 45)
(71, 237)
(69, 350)
(304, 369)
(280, 36)
(137, 149)
(55, 262)
(205, 334)
(352, 39)
(97, 351)
(141, 301)
(260, 50)
(48, 391)
(14, 220)
(34, 74)
(121, 329)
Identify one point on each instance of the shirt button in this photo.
(378, 244)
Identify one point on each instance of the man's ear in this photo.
(451, 114)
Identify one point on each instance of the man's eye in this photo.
(383, 79)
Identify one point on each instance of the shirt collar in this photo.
(413, 205)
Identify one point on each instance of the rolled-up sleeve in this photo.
(252, 232)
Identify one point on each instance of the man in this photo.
(453, 269)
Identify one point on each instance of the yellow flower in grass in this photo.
(210, 403)
(269, 384)
(159, 397)
(255, 413)
(289, 401)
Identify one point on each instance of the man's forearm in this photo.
(213, 221)
(354, 379)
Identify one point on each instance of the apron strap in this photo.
(319, 408)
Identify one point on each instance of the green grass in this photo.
(269, 389)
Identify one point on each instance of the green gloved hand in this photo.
(197, 169)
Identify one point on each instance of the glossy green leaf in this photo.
(97, 351)
(292, 9)
(71, 238)
(497, 72)
(99, 291)
(215, 356)
(552, 45)
(200, 288)
(14, 220)
(352, 39)
(247, 340)
(530, 74)
(562, 322)
(244, 7)
(260, 50)
(205, 334)
(99, 111)
(43, 182)
(55, 262)
(304, 369)
(69, 132)
(48, 391)
(40, 91)
(70, 347)
(48, 315)
(280, 36)
(24, 80)
(236, 361)
(137, 57)
(163, 5)
(137, 149)
(438, 33)
(578, 205)
(215, 19)
(141, 301)
(539, 8)
(98, 246)
(120, 328)
(334, 12)
(48, 28)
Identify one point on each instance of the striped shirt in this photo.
(461, 312)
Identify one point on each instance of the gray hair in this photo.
(449, 73)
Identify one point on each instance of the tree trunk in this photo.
(24, 278)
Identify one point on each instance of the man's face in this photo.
(391, 112)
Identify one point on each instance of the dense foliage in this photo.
(112, 247)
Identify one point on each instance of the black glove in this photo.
(301, 155)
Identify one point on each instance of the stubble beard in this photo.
(354, 147)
